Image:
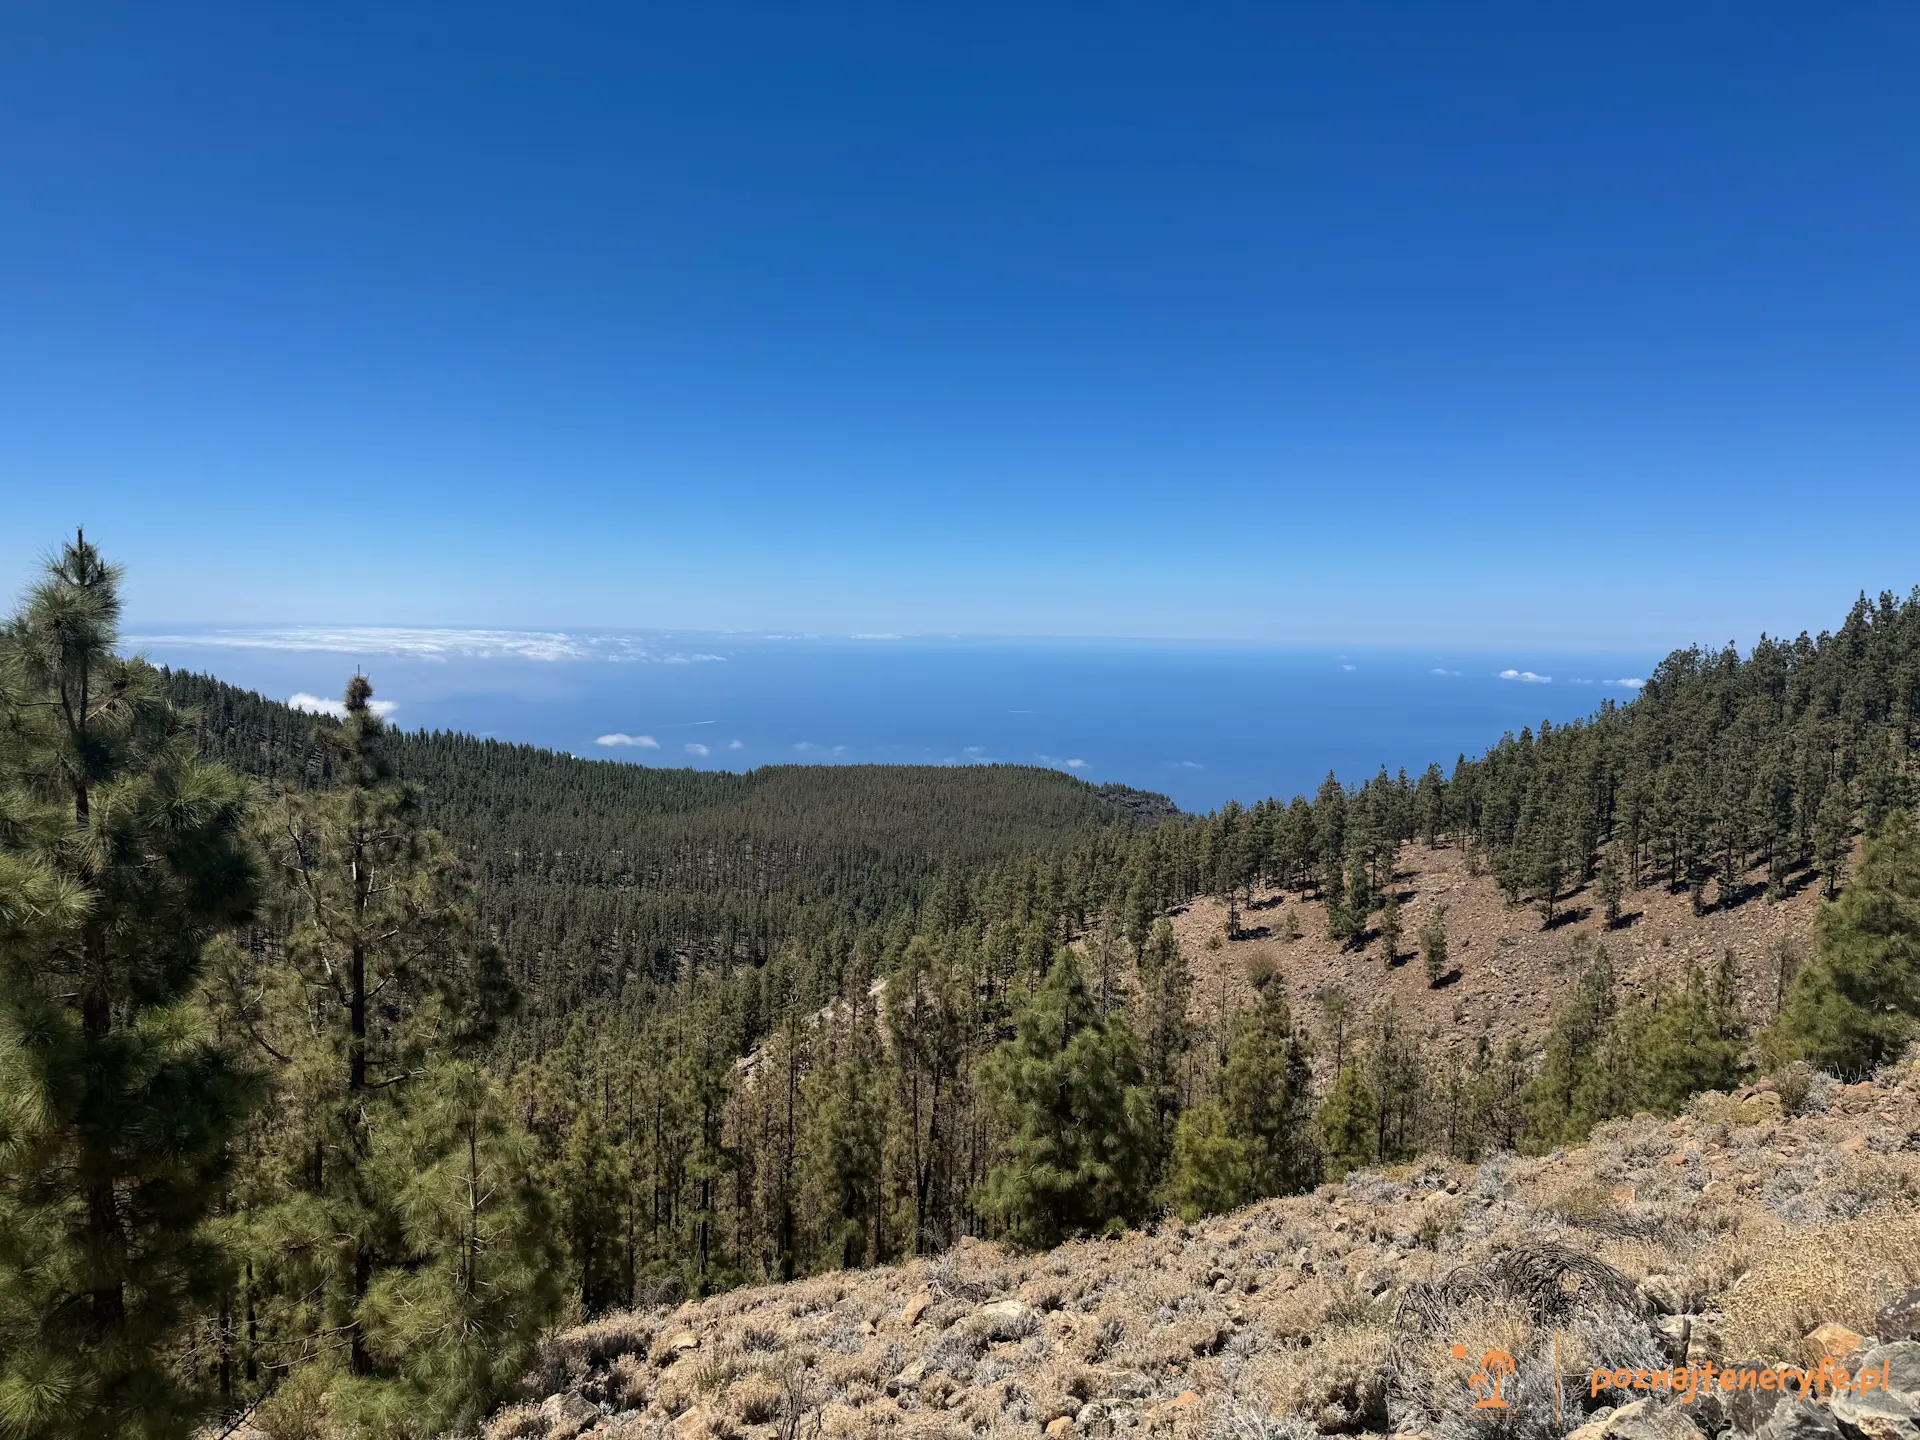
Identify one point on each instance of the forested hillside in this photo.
(329, 1089)
(595, 872)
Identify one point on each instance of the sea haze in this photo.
(1203, 723)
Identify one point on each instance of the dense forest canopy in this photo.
(341, 1061)
(596, 871)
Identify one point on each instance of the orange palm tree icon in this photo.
(1488, 1383)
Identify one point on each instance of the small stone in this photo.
(1660, 1294)
(576, 1407)
(1829, 1340)
(685, 1340)
(1062, 1425)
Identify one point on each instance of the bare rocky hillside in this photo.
(1775, 1226)
(1511, 973)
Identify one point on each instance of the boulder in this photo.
(1831, 1339)
(1795, 1419)
(1661, 1295)
(1646, 1420)
(1876, 1416)
(1742, 1410)
(1006, 1320)
(1901, 1319)
(1901, 1360)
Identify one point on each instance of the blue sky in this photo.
(1362, 323)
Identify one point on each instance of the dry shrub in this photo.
(516, 1422)
(565, 1359)
(757, 1398)
(295, 1409)
(1715, 1107)
(627, 1384)
(1548, 1278)
(1339, 1382)
(1799, 1278)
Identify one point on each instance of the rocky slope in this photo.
(1731, 1235)
(1511, 972)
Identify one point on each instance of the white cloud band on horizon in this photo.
(433, 643)
(645, 742)
(1631, 682)
(320, 705)
(1526, 677)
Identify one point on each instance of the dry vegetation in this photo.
(1728, 1234)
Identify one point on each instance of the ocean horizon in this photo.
(1202, 722)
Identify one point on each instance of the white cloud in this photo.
(1056, 760)
(807, 747)
(1631, 682)
(1526, 677)
(1579, 682)
(316, 705)
(1438, 671)
(736, 745)
(875, 637)
(645, 742)
(435, 643)
(698, 749)
(1349, 668)
(1188, 765)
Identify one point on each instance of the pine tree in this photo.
(1266, 1093)
(1166, 1033)
(393, 978)
(121, 858)
(477, 1279)
(1857, 1003)
(1550, 1101)
(1210, 1174)
(1608, 887)
(1349, 1121)
(1433, 945)
(1390, 931)
(1832, 836)
(587, 1193)
(1072, 1113)
(846, 1147)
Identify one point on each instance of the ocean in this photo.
(1201, 722)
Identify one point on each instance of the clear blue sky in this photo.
(1462, 323)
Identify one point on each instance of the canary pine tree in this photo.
(121, 858)
(1068, 1095)
(390, 981)
(1858, 1003)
